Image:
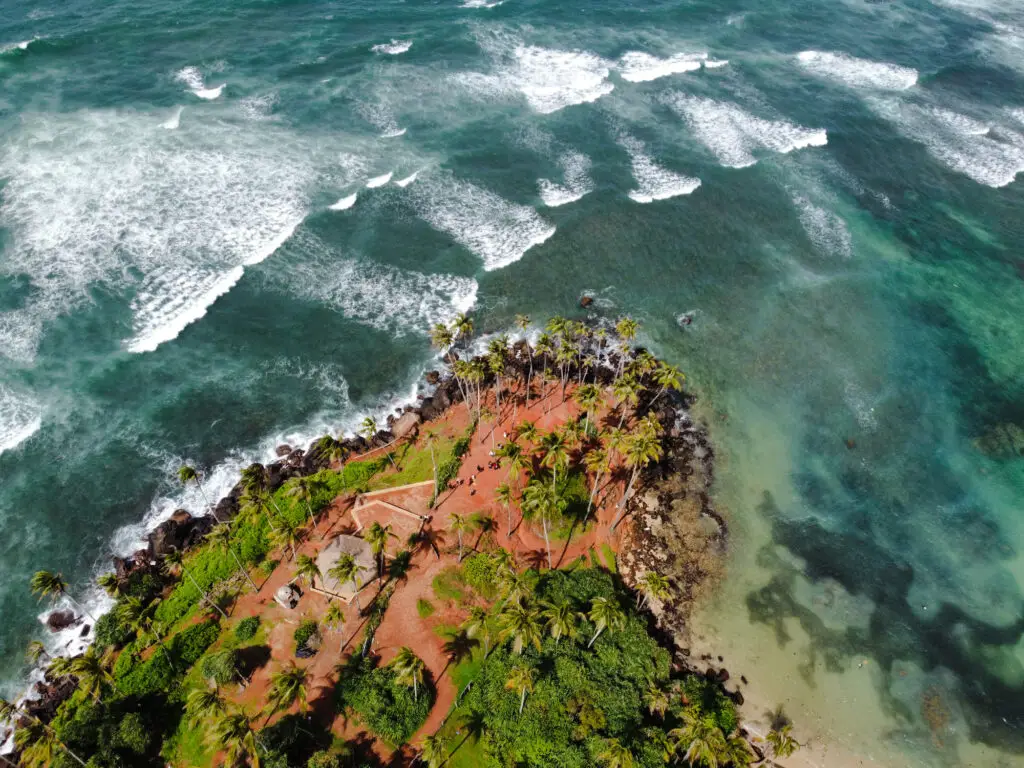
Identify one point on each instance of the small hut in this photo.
(287, 596)
(361, 553)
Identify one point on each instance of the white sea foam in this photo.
(826, 229)
(858, 73)
(714, 63)
(734, 135)
(172, 123)
(20, 418)
(382, 117)
(638, 67)
(482, 3)
(258, 107)
(988, 153)
(170, 300)
(407, 180)
(394, 133)
(344, 203)
(576, 171)
(379, 181)
(496, 230)
(22, 46)
(193, 78)
(653, 181)
(104, 198)
(393, 48)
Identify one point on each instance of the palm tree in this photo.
(560, 620)
(220, 537)
(616, 439)
(566, 358)
(520, 679)
(377, 537)
(109, 583)
(35, 651)
(254, 484)
(430, 437)
(52, 585)
(91, 672)
(497, 358)
(409, 669)
(459, 524)
(462, 326)
(587, 396)
(523, 322)
(434, 751)
(347, 569)
(442, 337)
(781, 741)
(667, 377)
(503, 495)
(627, 329)
(333, 617)
(304, 488)
(652, 586)
(233, 734)
(287, 686)
(656, 698)
(541, 499)
(520, 621)
(627, 392)
(528, 431)
(597, 461)
(701, 740)
(605, 614)
(545, 348)
(477, 624)
(737, 752)
(614, 755)
(37, 741)
(173, 562)
(204, 704)
(641, 450)
(427, 540)
(287, 536)
(556, 454)
(331, 447)
(186, 475)
(306, 568)
(368, 429)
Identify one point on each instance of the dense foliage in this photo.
(385, 706)
(247, 628)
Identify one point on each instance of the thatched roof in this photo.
(360, 550)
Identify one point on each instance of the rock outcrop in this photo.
(180, 532)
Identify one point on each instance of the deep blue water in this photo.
(184, 276)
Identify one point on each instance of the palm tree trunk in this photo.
(596, 635)
(593, 493)
(355, 595)
(244, 572)
(79, 606)
(206, 597)
(213, 510)
(316, 524)
(508, 531)
(547, 543)
(460, 546)
(522, 701)
(433, 463)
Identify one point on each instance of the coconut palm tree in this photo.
(287, 536)
(462, 326)
(503, 495)
(652, 586)
(52, 585)
(614, 755)
(521, 679)
(109, 583)
(478, 624)
(37, 741)
(627, 329)
(699, 739)
(560, 620)
(545, 348)
(497, 359)
(91, 671)
(35, 652)
(377, 536)
(136, 615)
(333, 618)
(523, 322)
(174, 562)
(303, 489)
(528, 431)
(781, 741)
(203, 705)
(186, 475)
(347, 569)
(737, 752)
(605, 614)
(287, 686)
(656, 698)
(627, 392)
(520, 621)
(587, 397)
(331, 447)
(596, 461)
(233, 734)
(641, 450)
(306, 568)
(257, 492)
(459, 524)
(667, 377)
(220, 537)
(555, 454)
(434, 751)
(616, 439)
(409, 669)
(541, 500)
(566, 357)
(430, 438)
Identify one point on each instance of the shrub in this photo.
(247, 628)
(143, 585)
(325, 759)
(448, 585)
(306, 629)
(152, 676)
(424, 608)
(221, 667)
(111, 632)
(386, 707)
(191, 643)
(481, 573)
(267, 567)
(132, 734)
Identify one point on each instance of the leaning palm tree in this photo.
(37, 741)
(605, 614)
(503, 495)
(331, 447)
(303, 489)
(596, 461)
(520, 621)
(614, 755)
(347, 569)
(430, 438)
(52, 585)
(186, 475)
(627, 329)
(204, 704)
(523, 322)
(434, 751)
(377, 536)
(587, 397)
(459, 524)
(287, 536)
(409, 669)
(233, 734)
(560, 620)
(642, 448)
(174, 562)
(667, 377)
(528, 431)
(699, 739)
(556, 454)
(652, 586)
(91, 671)
(306, 568)
(35, 652)
(521, 679)
(627, 392)
(737, 752)
(478, 624)
(109, 583)
(220, 537)
(287, 686)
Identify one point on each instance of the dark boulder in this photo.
(283, 450)
(586, 301)
(59, 620)
(433, 377)
(49, 695)
(180, 532)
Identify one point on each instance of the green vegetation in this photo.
(246, 629)
(425, 608)
(385, 705)
(307, 629)
(449, 585)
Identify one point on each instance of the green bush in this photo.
(111, 632)
(247, 628)
(424, 608)
(481, 573)
(386, 707)
(153, 676)
(192, 643)
(306, 629)
(324, 759)
(448, 585)
(221, 666)
(132, 734)
(143, 585)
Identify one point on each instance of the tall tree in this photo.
(520, 621)
(304, 489)
(409, 669)
(430, 438)
(331, 447)
(91, 671)
(204, 705)
(667, 377)
(641, 450)
(626, 328)
(587, 396)
(174, 563)
(503, 495)
(347, 569)
(614, 755)
(523, 322)
(545, 348)
(109, 583)
(52, 585)
(287, 686)
(233, 733)
(627, 391)
(434, 751)
(333, 618)
(596, 461)
(656, 699)
(497, 359)
(459, 524)
(560, 620)
(186, 475)
(306, 568)
(377, 536)
(369, 430)
(220, 537)
(541, 500)
(652, 586)
(521, 679)
(478, 624)
(699, 740)
(605, 614)
(287, 536)
(781, 741)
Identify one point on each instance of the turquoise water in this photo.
(185, 275)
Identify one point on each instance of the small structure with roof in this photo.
(287, 596)
(361, 553)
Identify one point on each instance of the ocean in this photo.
(227, 226)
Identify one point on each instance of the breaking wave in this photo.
(653, 181)
(576, 172)
(858, 73)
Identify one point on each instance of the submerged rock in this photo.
(60, 620)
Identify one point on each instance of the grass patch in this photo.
(450, 585)
(609, 557)
(424, 608)
(414, 465)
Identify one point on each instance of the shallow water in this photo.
(227, 227)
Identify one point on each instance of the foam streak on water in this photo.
(858, 73)
(576, 171)
(653, 181)
(639, 67)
